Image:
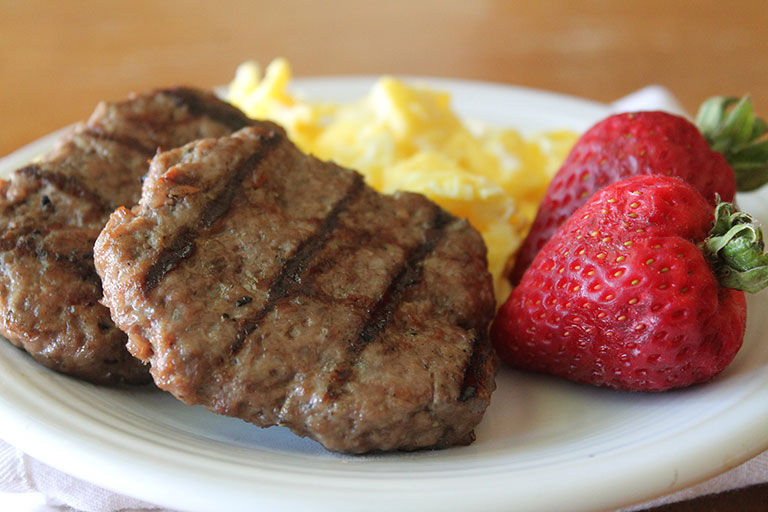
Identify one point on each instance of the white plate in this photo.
(544, 444)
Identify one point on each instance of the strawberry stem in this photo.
(732, 128)
(735, 249)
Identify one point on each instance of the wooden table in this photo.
(57, 59)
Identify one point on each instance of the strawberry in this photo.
(729, 151)
(629, 292)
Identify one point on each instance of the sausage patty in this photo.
(268, 285)
(52, 210)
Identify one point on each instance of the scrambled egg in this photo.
(404, 137)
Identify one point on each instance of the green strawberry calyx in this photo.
(732, 128)
(735, 250)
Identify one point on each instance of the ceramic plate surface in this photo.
(544, 444)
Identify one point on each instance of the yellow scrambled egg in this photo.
(405, 137)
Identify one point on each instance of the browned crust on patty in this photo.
(52, 210)
(268, 285)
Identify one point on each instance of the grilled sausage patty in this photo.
(51, 212)
(268, 285)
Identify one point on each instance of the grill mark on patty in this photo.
(289, 280)
(410, 273)
(183, 243)
(472, 379)
(222, 112)
(84, 269)
(124, 140)
(10, 239)
(65, 183)
(31, 244)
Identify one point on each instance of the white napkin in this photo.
(752, 472)
(20, 473)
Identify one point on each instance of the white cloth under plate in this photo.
(21, 473)
(59, 492)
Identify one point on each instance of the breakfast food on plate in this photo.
(53, 209)
(631, 293)
(638, 143)
(407, 137)
(272, 283)
(268, 285)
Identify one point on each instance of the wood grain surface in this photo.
(58, 59)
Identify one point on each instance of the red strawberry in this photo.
(623, 296)
(632, 144)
